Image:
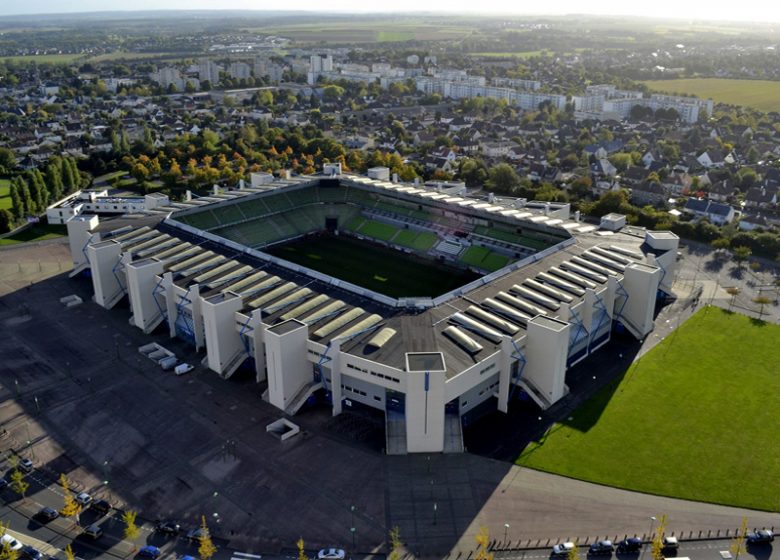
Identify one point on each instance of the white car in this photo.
(83, 499)
(562, 548)
(671, 543)
(331, 554)
(10, 542)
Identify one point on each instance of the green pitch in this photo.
(694, 418)
(374, 267)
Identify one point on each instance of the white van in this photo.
(181, 369)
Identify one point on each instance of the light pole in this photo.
(650, 537)
(506, 531)
(435, 507)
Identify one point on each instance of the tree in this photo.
(483, 542)
(574, 552)
(332, 92)
(18, 484)
(738, 542)
(17, 205)
(69, 554)
(733, 291)
(131, 529)
(762, 301)
(395, 544)
(741, 254)
(301, 552)
(6, 552)
(658, 539)
(70, 506)
(502, 178)
(7, 161)
(206, 548)
(720, 243)
(6, 221)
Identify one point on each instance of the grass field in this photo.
(361, 31)
(691, 419)
(420, 241)
(43, 58)
(122, 55)
(763, 95)
(474, 255)
(379, 269)
(378, 230)
(5, 197)
(108, 177)
(37, 232)
(494, 261)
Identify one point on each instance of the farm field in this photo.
(763, 95)
(361, 31)
(122, 55)
(684, 420)
(43, 58)
(521, 54)
(371, 266)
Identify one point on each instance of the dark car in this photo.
(761, 536)
(149, 551)
(601, 547)
(167, 527)
(3, 483)
(47, 514)
(30, 553)
(631, 544)
(101, 506)
(195, 534)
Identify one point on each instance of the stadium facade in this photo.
(551, 291)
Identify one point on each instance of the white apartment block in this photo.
(208, 70)
(239, 71)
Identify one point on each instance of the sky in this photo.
(695, 10)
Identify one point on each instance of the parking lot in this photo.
(77, 397)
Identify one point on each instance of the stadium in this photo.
(418, 301)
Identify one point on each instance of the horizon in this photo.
(750, 12)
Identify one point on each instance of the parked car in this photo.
(93, 531)
(149, 551)
(181, 369)
(631, 544)
(83, 499)
(167, 527)
(30, 553)
(100, 506)
(47, 514)
(3, 483)
(26, 465)
(601, 547)
(670, 543)
(195, 534)
(331, 554)
(10, 542)
(563, 548)
(761, 536)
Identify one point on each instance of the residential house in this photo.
(715, 158)
(648, 192)
(721, 191)
(760, 197)
(716, 212)
(603, 168)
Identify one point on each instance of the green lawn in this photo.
(474, 255)
(405, 238)
(694, 419)
(5, 196)
(425, 241)
(43, 58)
(374, 267)
(378, 230)
(763, 95)
(494, 261)
(108, 177)
(37, 232)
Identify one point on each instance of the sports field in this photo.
(374, 267)
(763, 95)
(694, 418)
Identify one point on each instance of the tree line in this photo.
(33, 191)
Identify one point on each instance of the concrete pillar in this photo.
(504, 373)
(546, 349)
(288, 366)
(640, 281)
(223, 343)
(141, 280)
(103, 259)
(334, 353)
(169, 290)
(79, 234)
(258, 344)
(425, 380)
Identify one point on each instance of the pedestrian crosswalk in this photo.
(245, 556)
